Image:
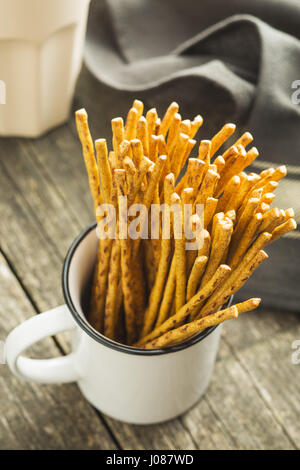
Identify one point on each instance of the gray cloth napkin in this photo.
(229, 61)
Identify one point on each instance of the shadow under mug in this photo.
(129, 384)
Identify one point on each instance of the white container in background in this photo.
(41, 46)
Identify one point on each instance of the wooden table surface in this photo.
(253, 401)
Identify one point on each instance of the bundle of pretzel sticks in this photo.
(153, 292)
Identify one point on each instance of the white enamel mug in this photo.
(129, 384)
(41, 48)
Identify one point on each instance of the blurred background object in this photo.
(229, 61)
(41, 45)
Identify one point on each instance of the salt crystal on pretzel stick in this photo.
(195, 276)
(175, 320)
(218, 139)
(104, 169)
(282, 229)
(167, 119)
(188, 330)
(89, 156)
(163, 267)
(142, 134)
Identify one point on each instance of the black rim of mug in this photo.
(84, 324)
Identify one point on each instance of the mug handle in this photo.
(56, 370)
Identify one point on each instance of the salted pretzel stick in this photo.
(173, 132)
(149, 194)
(118, 131)
(251, 155)
(190, 329)
(167, 119)
(244, 140)
(180, 256)
(188, 309)
(268, 198)
(151, 118)
(185, 127)
(252, 259)
(139, 106)
(104, 169)
(111, 312)
(178, 153)
(195, 276)
(210, 208)
(131, 124)
(168, 295)
(153, 148)
(204, 151)
(142, 134)
(220, 164)
(282, 229)
(218, 140)
(208, 186)
(126, 271)
(236, 255)
(229, 194)
(193, 176)
(243, 221)
(195, 125)
(163, 267)
(89, 156)
(190, 145)
(289, 214)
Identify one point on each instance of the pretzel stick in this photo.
(104, 169)
(195, 125)
(168, 295)
(111, 312)
(89, 156)
(153, 147)
(175, 320)
(180, 256)
(173, 132)
(195, 276)
(131, 124)
(151, 118)
(230, 194)
(218, 140)
(142, 134)
(282, 229)
(157, 291)
(244, 140)
(167, 119)
(190, 329)
(118, 131)
(139, 106)
(252, 259)
(178, 153)
(235, 256)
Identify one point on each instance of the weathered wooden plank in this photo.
(41, 417)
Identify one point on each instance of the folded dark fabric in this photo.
(229, 61)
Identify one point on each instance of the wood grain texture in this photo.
(253, 399)
(41, 417)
